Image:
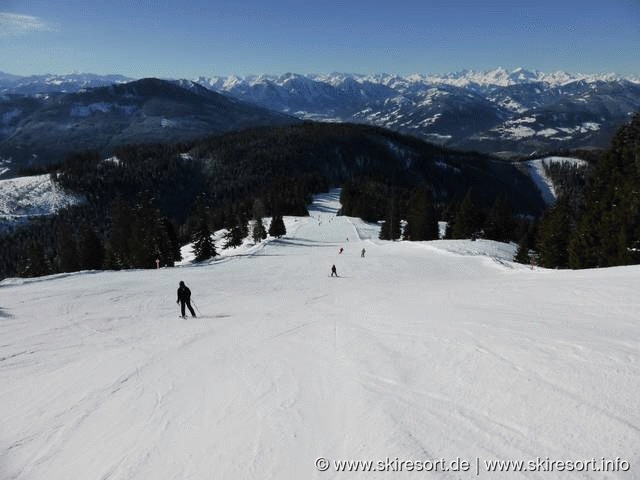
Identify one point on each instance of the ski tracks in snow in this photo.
(422, 351)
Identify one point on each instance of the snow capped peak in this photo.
(231, 82)
(262, 79)
(498, 77)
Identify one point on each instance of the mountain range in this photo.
(509, 113)
(517, 112)
(43, 128)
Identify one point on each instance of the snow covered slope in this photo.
(25, 197)
(418, 352)
(541, 179)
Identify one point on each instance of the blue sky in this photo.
(183, 39)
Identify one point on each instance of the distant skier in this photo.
(334, 273)
(341, 250)
(184, 298)
(362, 253)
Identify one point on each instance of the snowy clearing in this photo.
(542, 180)
(417, 352)
(32, 196)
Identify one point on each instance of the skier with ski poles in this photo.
(184, 298)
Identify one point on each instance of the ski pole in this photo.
(194, 304)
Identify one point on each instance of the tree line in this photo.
(149, 199)
(597, 224)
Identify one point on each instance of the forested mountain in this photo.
(36, 130)
(599, 226)
(153, 192)
(512, 113)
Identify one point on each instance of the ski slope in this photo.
(418, 352)
(543, 181)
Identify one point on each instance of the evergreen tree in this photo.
(468, 218)
(553, 235)
(238, 232)
(277, 228)
(150, 239)
(607, 224)
(173, 247)
(66, 250)
(422, 221)
(91, 250)
(110, 261)
(390, 229)
(35, 263)
(500, 224)
(583, 247)
(526, 244)
(120, 243)
(203, 245)
(233, 238)
(259, 232)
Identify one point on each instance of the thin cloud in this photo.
(12, 24)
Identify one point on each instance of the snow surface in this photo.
(419, 351)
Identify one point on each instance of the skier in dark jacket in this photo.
(334, 273)
(184, 298)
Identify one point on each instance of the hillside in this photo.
(219, 179)
(513, 113)
(418, 352)
(23, 198)
(43, 129)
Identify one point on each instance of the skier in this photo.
(184, 298)
(341, 250)
(362, 254)
(333, 271)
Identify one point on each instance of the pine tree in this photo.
(91, 250)
(259, 232)
(467, 220)
(526, 244)
(150, 239)
(203, 245)
(121, 239)
(608, 223)
(390, 229)
(173, 247)
(422, 221)
(553, 235)
(66, 250)
(238, 232)
(35, 263)
(500, 224)
(277, 228)
(110, 260)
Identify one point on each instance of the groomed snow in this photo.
(419, 351)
